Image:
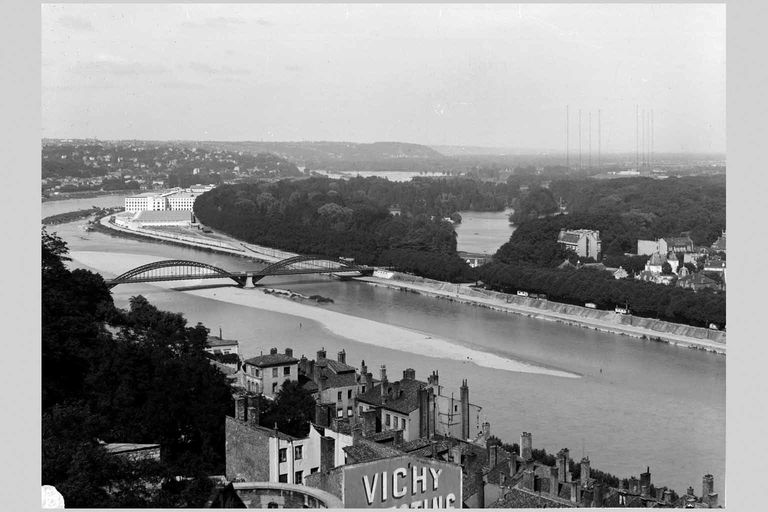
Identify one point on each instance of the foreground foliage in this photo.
(138, 376)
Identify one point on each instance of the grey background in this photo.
(20, 200)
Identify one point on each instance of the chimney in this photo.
(712, 500)
(383, 378)
(526, 446)
(634, 485)
(409, 373)
(584, 477)
(562, 465)
(363, 368)
(707, 486)
(289, 352)
(273, 351)
(327, 453)
(553, 481)
(433, 445)
(464, 410)
(368, 381)
(240, 404)
(645, 478)
(513, 465)
(480, 488)
(493, 455)
(456, 455)
(320, 354)
(426, 412)
(220, 334)
(342, 357)
(254, 403)
(369, 422)
(667, 496)
(486, 430)
(528, 479)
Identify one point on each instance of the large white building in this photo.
(174, 200)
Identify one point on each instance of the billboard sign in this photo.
(403, 482)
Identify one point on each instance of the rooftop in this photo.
(365, 451)
(406, 402)
(218, 342)
(266, 360)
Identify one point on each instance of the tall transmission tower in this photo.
(590, 139)
(579, 139)
(599, 135)
(567, 154)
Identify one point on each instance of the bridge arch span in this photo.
(135, 275)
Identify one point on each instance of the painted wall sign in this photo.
(404, 482)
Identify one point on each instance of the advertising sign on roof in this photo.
(402, 482)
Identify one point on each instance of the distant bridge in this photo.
(186, 270)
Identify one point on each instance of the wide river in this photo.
(633, 404)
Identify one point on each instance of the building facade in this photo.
(266, 373)
(584, 242)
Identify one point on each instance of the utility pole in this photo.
(579, 139)
(567, 155)
(637, 137)
(599, 135)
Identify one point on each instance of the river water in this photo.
(635, 404)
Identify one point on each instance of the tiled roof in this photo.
(335, 366)
(128, 447)
(406, 403)
(271, 360)
(657, 259)
(364, 451)
(676, 241)
(216, 342)
(522, 498)
(568, 238)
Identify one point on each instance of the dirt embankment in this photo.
(628, 324)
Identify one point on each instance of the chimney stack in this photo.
(562, 465)
(493, 454)
(526, 446)
(383, 378)
(486, 430)
(464, 410)
(597, 495)
(480, 488)
(220, 334)
(320, 354)
(342, 357)
(289, 352)
(272, 351)
(363, 368)
(253, 410)
(707, 486)
(584, 477)
(409, 373)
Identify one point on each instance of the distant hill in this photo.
(323, 151)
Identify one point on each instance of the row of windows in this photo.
(349, 395)
(275, 371)
(298, 453)
(340, 412)
(298, 476)
(392, 421)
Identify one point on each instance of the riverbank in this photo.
(605, 321)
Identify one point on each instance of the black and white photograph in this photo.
(383, 255)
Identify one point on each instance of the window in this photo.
(363, 391)
(283, 478)
(388, 420)
(274, 372)
(340, 412)
(349, 394)
(297, 452)
(286, 370)
(297, 477)
(402, 423)
(314, 470)
(255, 371)
(455, 408)
(283, 454)
(338, 396)
(349, 411)
(274, 388)
(272, 504)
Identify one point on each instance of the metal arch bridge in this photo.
(185, 270)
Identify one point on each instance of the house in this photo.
(218, 345)
(418, 408)
(676, 244)
(656, 262)
(698, 281)
(719, 245)
(266, 373)
(584, 242)
(259, 454)
(714, 265)
(333, 381)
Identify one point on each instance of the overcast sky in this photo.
(484, 75)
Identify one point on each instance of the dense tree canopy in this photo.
(346, 219)
(137, 376)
